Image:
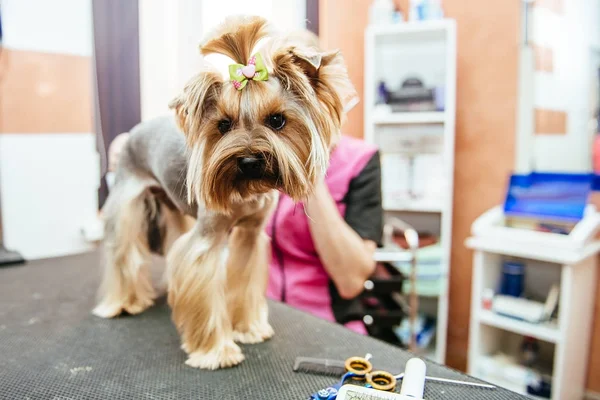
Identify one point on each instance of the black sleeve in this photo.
(364, 210)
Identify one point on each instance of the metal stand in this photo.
(8, 257)
(412, 239)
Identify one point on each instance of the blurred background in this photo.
(463, 97)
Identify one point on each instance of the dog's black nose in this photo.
(251, 167)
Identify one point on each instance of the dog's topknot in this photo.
(236, 37)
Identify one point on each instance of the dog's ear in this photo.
(198, 98)
(309, 60)
(308, 70)
(328, 71)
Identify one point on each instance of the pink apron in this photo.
(296, 274)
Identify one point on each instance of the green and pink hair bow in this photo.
(255, 70)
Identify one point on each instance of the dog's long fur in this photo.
(180, 177)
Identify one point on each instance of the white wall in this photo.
(286, 15)
(48, 184)
(572, 35)
(57, 26)
(171, 31)
(48, 181)
(169, 35)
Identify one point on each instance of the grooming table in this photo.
(52, 347)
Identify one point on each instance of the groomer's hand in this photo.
(347, 258)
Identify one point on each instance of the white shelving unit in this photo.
(567, 260)
(390, 118)
(394, 53)
(548, 331)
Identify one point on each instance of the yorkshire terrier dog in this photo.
(199, 187)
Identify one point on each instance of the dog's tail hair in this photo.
(126, 283)
(236, 37)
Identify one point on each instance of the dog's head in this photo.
(269, 122)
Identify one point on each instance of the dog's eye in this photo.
(276, 121)
(224, 126)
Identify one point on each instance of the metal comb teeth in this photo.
(321, 366)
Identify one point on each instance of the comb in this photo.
(320, 366)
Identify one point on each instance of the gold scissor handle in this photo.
(382, 380)
(359, 366)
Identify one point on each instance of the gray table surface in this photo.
(51, 347)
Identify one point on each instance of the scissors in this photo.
(361, 369)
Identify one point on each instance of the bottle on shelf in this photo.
(381, 12)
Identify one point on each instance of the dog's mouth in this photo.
(257, 168)
(256, 174)
(267, 177)
(262, 182)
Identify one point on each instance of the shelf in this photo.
(417, 117)
(414, 206)
(508, 376)
(532, 250)
(490, 235)
(548, 332)
(430, 47)
(410, 27)
(392, 255)
(573, 263)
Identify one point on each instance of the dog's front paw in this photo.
(138, 306)
(252, 336)
(185, 347)
(227, 354)
(112, 309)
(266, 330)
(257, 333)
(107, 310)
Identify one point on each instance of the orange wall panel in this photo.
(544, 58)
(556, 6)
(551, 122)
(341, 26)
(488, 37)
(45, 93)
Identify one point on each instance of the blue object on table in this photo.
(549, 196)
(331, 392)
(513, 274)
